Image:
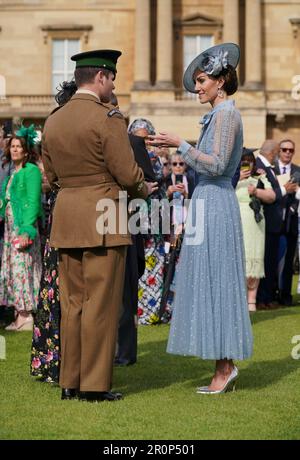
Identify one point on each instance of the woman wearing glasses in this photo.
(178, 166)
(211, 318)
(179, 187)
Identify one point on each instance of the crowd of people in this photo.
(67, 286)
(29, 276)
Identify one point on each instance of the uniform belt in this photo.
(86, 181)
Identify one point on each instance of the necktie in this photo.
(284, 170)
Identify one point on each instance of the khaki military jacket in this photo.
(86, 152)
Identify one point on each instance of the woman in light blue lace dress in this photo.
(211, 318)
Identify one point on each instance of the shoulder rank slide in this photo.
(115, 112)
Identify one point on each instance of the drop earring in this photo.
(220, 93)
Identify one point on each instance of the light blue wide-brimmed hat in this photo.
(212, 61)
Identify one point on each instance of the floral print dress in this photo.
(45, 351)
(151, 283)
(20, 270)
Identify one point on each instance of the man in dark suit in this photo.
(274, 220)
(135, 267)
(289, 229)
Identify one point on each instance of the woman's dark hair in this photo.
(231, 83)
(249, 158)
(31, 156)
(66, 90)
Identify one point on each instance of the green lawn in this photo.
(160, 400)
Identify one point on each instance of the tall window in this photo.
(62, 66)
(194, 45)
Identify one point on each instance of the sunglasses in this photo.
(285, 150)
(180, 163)
(165, 164)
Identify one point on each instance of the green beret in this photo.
(99, 58)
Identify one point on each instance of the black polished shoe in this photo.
(110, 396)
(123, 362)
(99, 396)
(69, 393)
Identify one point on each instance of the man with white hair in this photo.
(274, 217)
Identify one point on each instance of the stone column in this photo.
(231, 21)
(253, 44)
(164, 49)
(142, 45)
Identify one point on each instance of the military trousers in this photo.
(90, 286)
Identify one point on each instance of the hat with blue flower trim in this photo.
(212, 61)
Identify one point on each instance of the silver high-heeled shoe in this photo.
(230, 385)
(26, 326)
(11, 327)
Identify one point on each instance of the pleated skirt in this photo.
(210, 318)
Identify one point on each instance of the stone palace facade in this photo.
(158, 38)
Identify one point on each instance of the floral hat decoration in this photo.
(29, 134)
(212, 61)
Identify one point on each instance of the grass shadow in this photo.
(262, 374)
(267, 315)
(157, 369)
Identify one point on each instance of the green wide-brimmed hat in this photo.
(98, 58)
(212, 61)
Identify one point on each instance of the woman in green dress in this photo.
(253, 188)
(20, 207)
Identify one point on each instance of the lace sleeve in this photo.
(226, 128)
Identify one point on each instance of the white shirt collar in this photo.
(87, 91)
(265, 161)
(286, 166)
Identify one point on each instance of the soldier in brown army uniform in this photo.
(86, 151)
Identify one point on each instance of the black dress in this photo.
(45, 352)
